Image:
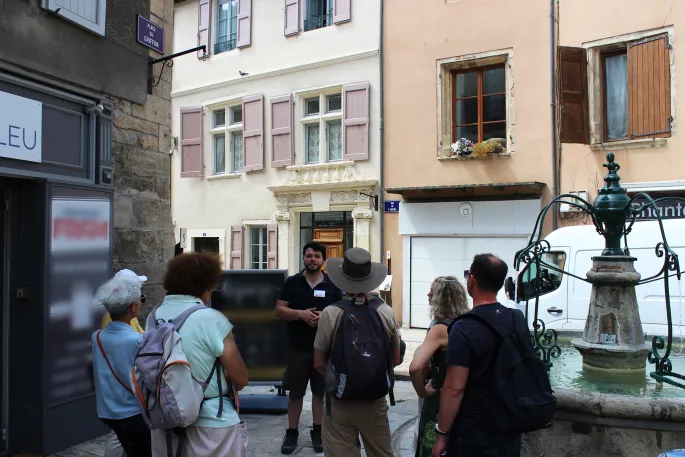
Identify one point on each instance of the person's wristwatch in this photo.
(440, 432)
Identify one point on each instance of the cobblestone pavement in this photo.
(266, 430)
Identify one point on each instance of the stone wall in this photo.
(141, 141)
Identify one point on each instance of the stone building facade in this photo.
(85, 183)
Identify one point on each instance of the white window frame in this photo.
(229, 129)
(445, 67)
(230, 31)
(323, 119)
(330, 6)
(95, 27)
(596, 98)
(263, 254)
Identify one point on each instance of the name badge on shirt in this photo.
(320, 293)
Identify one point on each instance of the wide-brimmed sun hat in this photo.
(355, 272)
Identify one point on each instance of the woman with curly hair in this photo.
(206, 337)
(447, 300)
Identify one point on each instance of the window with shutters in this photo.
(227, 139)
(476, 101)
(89, 14)
(626, 83)
(322, 121)
(226, 26)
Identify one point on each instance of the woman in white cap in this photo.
(113, 446)
(106, 319)
(113, 353)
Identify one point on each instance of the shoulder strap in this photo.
(102, 350)
(494, 328)
(181, 318)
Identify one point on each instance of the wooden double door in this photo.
(333, 239)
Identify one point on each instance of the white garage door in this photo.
(442, 256)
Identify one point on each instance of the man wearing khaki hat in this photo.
(356, 348)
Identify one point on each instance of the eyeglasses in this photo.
(467, 273)
(142, 298)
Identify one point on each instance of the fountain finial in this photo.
(612, 208)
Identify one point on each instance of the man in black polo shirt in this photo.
(463, 428)
(303, 297)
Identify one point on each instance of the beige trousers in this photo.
(349, 420)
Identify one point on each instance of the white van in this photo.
(565, 301)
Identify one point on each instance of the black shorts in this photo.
(300, 372)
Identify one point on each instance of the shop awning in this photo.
(500, 191)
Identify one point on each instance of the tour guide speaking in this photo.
(303, 297)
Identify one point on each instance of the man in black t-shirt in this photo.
(303, 297)
(462, 428)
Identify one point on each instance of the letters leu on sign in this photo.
(150, 35)
(21, 124)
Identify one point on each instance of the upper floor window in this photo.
(318, 14)
(89, 14)
(617, 90)
(258, 248)
(479, 104)
(226, 26)
(323, 128)
(227, 140)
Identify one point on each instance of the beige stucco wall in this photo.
(329, 57)
(417, 38)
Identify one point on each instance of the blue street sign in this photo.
(392, 206)
(150, 35)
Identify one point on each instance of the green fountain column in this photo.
(613, 338)
(611, 206)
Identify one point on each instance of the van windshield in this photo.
(549, 279)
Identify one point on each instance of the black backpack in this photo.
(521, 396)
(360, 366)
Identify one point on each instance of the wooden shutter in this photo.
(649, 88)
(342, 11)
(191, 143)
(356, 121)
(281, 131)
(292, 17)
(253, 132)
(236, 247)
(272, 246)
(573, 86)
(204, 23)
(244, 38)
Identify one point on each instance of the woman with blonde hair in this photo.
(447, 300)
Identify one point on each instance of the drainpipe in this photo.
(381, 199)
(553, 107)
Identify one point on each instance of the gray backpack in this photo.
(168, 395)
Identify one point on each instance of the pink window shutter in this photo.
(281, 131)
(244, 38)
(342, 11)
(204, 21)
(192, 163)
(236, 247)
(356, 121)
(253, 132)
(292, 17)
(272, 246)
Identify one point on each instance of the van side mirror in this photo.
(510, 288)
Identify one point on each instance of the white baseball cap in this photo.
(130, 274)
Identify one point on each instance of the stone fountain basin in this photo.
(590, 424)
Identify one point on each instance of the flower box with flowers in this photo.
(466, 148)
